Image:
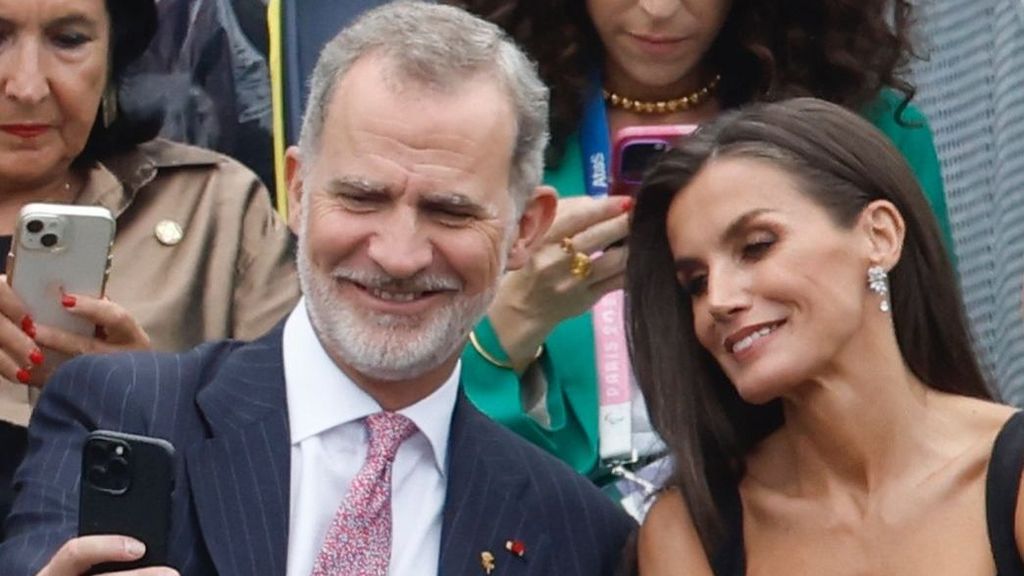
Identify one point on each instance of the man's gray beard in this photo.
(387, 346)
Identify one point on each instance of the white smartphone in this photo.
(60, 248)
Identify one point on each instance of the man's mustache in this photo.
(423, 282)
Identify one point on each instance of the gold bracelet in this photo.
(487, 355)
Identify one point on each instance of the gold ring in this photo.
(580, 266)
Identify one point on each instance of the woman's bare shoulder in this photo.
(668, 544)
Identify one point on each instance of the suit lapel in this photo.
(239, 477)
(483, 506)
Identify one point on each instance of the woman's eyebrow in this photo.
(74, 19)
(731, 232)
(736, 227)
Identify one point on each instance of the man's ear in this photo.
(537, 217)
(884, 230)
(293, 177)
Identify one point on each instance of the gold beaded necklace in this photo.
(687, 102)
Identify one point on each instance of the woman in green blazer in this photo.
(532, 363)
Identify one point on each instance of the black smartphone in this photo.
(126, 487)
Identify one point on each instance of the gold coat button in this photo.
(168, 232)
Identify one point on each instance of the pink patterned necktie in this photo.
(358, 541)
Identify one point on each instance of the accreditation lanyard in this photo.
(615, 425)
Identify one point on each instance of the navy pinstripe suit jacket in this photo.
(223, 406)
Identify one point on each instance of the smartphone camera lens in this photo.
(48, 240)
(107, 467)
(34, 226)
(117, 469)
(637, 158)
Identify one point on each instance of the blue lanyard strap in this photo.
(594, 141)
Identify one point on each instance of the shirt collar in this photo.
(321, 396)
(114, 181)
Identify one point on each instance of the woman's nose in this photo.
(659, 9)
(24, 76)
(726, 296)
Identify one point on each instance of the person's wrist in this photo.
(521, 335)
(495, 359)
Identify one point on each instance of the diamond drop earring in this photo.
(878, 282)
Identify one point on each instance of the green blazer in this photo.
(568, 360)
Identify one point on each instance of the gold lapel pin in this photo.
(487, 561)
(168, 232)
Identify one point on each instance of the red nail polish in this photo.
(28, 326)
(23, 376)
(68, 301)
(36, 357)
(627, 203)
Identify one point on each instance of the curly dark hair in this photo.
(841, 51)
(133, 24)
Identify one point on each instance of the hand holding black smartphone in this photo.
(126, 487)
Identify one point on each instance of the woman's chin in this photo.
(756, 397)
(762, 387)
(26, 169)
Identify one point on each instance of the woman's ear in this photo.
(537, 217)
(884, 230)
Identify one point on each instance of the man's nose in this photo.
(401, 248)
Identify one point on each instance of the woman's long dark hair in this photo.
(132, 26)
(837, 50)
(843, 163)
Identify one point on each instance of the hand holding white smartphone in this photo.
(58, 249)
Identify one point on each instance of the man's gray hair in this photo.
(440, 46)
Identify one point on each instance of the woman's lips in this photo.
(657, 44)
(25, 130)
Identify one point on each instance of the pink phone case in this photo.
(634, 145)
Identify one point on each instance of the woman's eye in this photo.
(755, 249)
(70, 39)
(695, 285)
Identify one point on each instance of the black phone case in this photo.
(143, 510)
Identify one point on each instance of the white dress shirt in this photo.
(329, 443)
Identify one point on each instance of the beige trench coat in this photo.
(231, 274)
